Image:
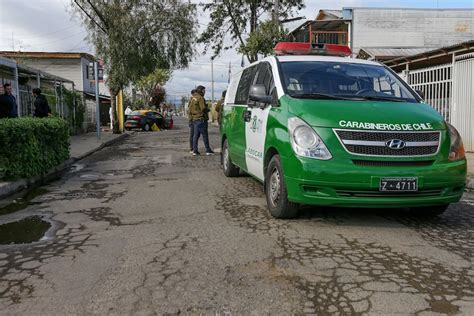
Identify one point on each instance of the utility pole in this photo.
(212, 78)
(97, 105)
(276, 11)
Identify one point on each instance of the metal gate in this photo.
(463, 98)
(436, 84)
(449, 90)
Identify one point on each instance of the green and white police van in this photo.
(330, 130)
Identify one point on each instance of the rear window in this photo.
(136, 113)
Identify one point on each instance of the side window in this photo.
(386, 85)
(265, 76)
(244, 85)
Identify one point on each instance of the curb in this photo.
(470, 183)
(11, 188)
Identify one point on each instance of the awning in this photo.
(102, 98)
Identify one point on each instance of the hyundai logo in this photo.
(395, 144)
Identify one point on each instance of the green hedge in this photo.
(31, 146)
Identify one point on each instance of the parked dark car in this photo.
(145, 119)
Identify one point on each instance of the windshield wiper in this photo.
(319, 96)
(380, 98)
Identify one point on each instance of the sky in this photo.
(47, 25)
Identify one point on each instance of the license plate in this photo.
(399, 184)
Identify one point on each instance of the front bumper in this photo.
(342, 183)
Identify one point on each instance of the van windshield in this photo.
(334, 80)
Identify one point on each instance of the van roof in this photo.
(288, 58)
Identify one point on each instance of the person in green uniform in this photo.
(219, 106)
(190, 121)
(199, 114)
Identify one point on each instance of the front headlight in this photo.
(305, 141)
(456, 150)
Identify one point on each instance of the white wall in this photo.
(410, 27)
(65, 68)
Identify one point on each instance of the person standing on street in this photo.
(111, 118)
(128, 111)
(190, 121)
(219, 106)
(42, 108)
(199, 113)
(11, 100)
(5, 109)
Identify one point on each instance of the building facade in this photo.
(72, 66)
(388, 28)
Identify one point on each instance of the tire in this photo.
(429, 211)
(230, 170)
(147, 127)
(276, 193)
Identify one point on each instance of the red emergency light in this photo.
(296, 48)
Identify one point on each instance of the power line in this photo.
(56, 40)
(90, 17)
(44, 35)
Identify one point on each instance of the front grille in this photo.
(379, 194)
(372, 163)
(385, 136)
(374, 143)
(385, 151)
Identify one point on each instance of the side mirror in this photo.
(258, 93)
(420, 93)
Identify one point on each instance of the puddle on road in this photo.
(23, 202)
(26, 230)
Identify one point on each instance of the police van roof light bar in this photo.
(296, 48)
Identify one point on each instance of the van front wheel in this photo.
(230, 170)
(276, 193)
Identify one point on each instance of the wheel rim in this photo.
(147, 127)
(226, 158)
(274, 187)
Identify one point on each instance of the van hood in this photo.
(376, 115)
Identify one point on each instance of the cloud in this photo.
(41, 25)
(46, 25)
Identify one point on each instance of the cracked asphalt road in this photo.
(144, 228)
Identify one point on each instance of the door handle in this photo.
(247, 116)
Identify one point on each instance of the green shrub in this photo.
(31, 146)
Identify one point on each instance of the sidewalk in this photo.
(86, 144)
(81, 146)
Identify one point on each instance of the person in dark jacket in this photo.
(42, 108)
(5, 109)
(9, 98)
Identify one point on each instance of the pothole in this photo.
(26, 230)
(22, 202)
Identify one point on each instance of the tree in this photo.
(237, 18)
(135, 37)
(158, 96)
(149, 83)
(263, 40)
